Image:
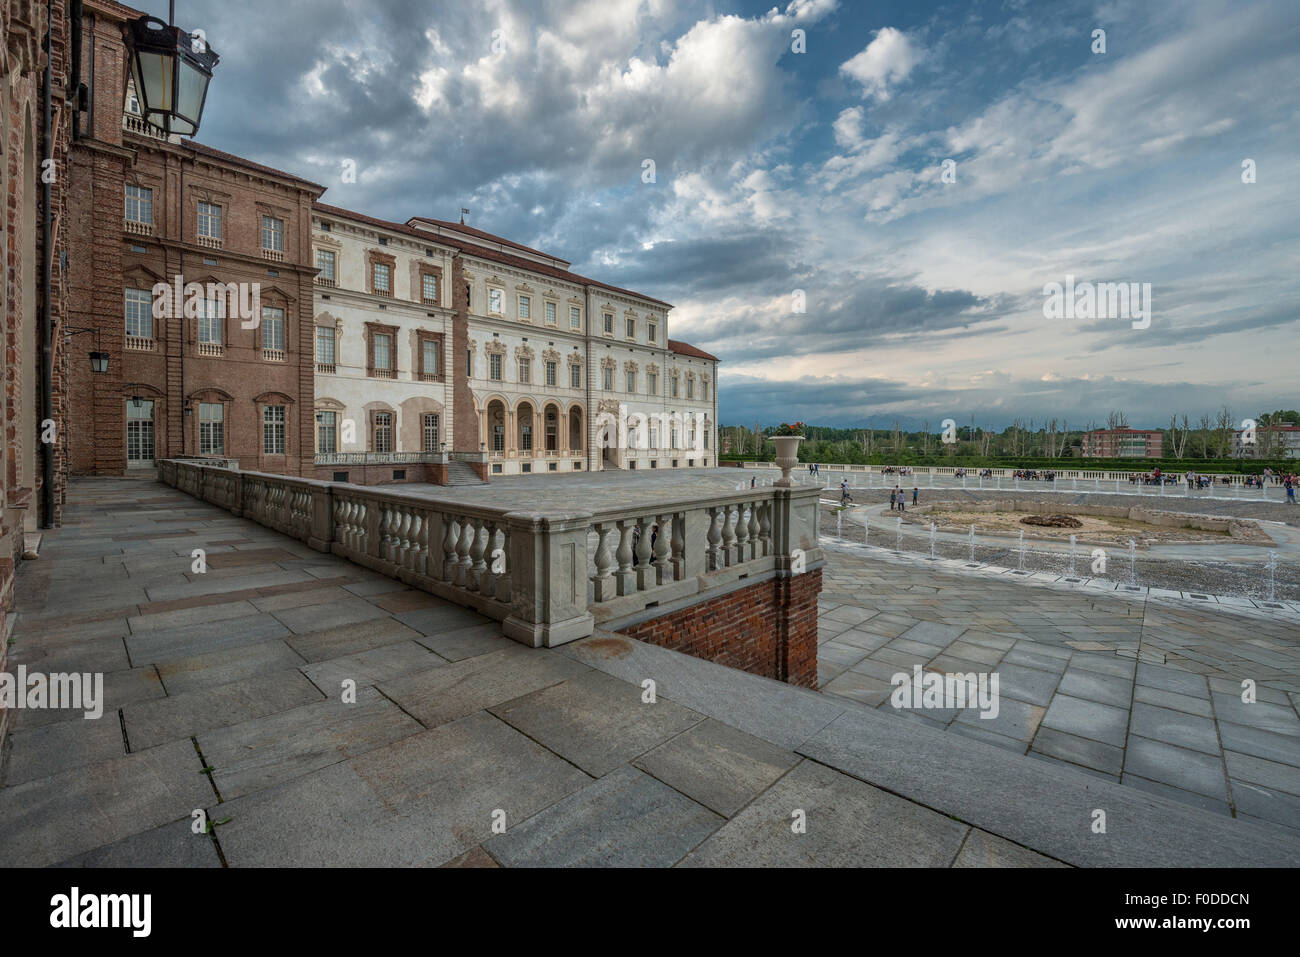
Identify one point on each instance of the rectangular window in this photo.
(139, 204)
(272, 329)
(429, 356)
(383, 278)
(631, 381)
(651, 331)
(631, 328)
(211, 322)
(706, 437)
(469, 363)
(550, 313)
(429, 287)
(209, 221)
(431, 436)
(273, 234)
(139, 313)
(704, 388)
(325, 345)
(525, 370)
(575, 376)
(550, 372)
(652, 383)
(494, 366)
(525, 307)
(327, 432)
(607, 380)
(495, 297)
(212, 428)
(575, 317)
(273, 420)
(526, 436)
(325, 263)
(609, 323)
(690, 388)
(383, 432)
(382, 343)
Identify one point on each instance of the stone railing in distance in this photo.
(972, 472)
(377, 458)
(548, 577)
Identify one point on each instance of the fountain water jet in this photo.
(1132, 562)
(1021, 564)
(972, 544)
(1073, 542)
(1272, 569)
(898, 543)
(932, 532)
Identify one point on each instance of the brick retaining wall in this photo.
(768, 628)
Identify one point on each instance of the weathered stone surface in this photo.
(626, 819)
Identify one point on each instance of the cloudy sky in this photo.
(778, 171)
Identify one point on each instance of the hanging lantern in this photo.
(171, 70)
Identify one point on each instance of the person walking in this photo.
(845, 497)
(1290, 489)
(891, 500)
(915, 493)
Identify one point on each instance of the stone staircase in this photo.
(461, 473)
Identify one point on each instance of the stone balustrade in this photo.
(972, 472)
(549, 577)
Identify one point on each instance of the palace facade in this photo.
(434, 337)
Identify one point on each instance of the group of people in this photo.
(898, 498)
(1154, 477)
(1033, 475)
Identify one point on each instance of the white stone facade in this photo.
(539, 352)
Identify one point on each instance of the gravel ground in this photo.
(1218, 578)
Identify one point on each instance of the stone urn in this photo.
(787, 457)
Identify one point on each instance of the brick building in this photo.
(1123, 444)
(223, 366)
(33, 229)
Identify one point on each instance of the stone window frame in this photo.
(574, 360)
(211, 396)
(262, 403)
(607, 369)
(436, 272)
(376, 258)
(607, 320)
(551, 302)
(524, 294)
(279, 300)
(326, 404)
(630, 316)
(192, 323)
(495, 284)
(575, 303)
(524, 354)
(421, 337)
(325, 320)
(221, 217)
(372, 430)
(652, 329)
(495, 347)
(379, 328)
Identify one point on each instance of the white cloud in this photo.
(887, 60)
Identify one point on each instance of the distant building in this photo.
(1271, 442)
(1123, 444)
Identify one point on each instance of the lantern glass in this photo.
(137, 401)
(171, 70)
(99, 362)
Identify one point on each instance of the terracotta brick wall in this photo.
(768, 628)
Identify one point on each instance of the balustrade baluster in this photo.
(478, 566)
(679, 546)
(603, 581)
(754, 550)
(715, 538)
(626, 577)
(662, 546)
(742, 535)
(728, 537)
(466, 563)
(645, 574)
(450, 536)
(765, 526)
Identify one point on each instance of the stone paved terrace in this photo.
(223, 693)
(1136, 691)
